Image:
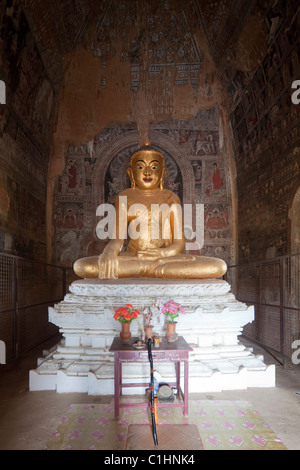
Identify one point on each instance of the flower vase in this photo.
(148, 332)
(125, 333)
(171, 329)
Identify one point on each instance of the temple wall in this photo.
(266, 132)
(25, 127)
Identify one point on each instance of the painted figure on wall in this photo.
(216, 221)
(72, 174)
(216, 178)
(71, 181)
(217, 181)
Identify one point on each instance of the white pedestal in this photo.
(214, 319)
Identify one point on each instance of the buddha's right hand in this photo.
(108, 266)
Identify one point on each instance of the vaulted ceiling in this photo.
(100, 52)
(59, 25)
(154, 45)
(62, 23)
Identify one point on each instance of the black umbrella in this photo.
(152, 392)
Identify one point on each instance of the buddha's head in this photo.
(147, 170)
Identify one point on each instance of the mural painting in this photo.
(267, 134)
(26, 123)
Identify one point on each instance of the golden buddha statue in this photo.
(159, 256)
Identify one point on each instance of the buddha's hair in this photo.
(146, 148)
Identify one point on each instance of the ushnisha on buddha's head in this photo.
(147, 170)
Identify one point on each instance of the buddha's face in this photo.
(147, 169)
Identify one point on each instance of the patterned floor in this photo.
(222, 425)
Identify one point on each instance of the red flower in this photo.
(122, 310)
(126, 314)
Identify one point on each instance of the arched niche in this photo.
(126, 144)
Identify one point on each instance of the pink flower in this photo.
(123, 423)
(213, 440)
(207, 425)
(81, 419)
(75, 434)
(249, 425)
(107, 408)
(172, 309)
(121, 436)
(229, 425)
(97, 435)
(259, 440)
(55, 435)
(237, 441)
(103, 421)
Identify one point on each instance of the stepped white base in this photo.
(212, 324)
